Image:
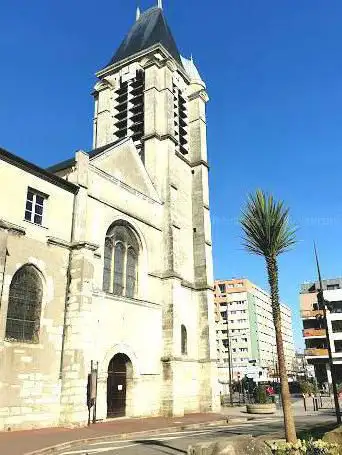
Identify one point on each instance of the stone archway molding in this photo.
(119, 348)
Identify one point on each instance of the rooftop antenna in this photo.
(318, 268)
(137, 17)
(160, 4)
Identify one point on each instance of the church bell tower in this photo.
(150, 93)
(123, 106)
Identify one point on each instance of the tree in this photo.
(267, 233)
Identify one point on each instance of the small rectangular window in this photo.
(330, 287)
(34, 210)
(222, 288)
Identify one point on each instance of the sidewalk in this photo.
(23, 442)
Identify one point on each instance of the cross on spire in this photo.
(160, 4)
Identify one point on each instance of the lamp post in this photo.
(229, 361)
(322, 305)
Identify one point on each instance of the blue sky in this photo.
(273, 71)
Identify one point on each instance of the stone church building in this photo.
(106, 258)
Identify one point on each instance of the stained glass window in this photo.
(121, 254)
(24, 305)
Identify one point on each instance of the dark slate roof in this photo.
(44, 174)
(62, 165)
(70, 162)
(150, 29)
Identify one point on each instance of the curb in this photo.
(194, 426)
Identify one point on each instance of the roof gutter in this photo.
(36, 170)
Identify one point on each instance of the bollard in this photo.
(315, 402)
(304, 402)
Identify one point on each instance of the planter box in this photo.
(256, 408)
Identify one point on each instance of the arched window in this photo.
(24, 305)
(184, 340)
(121, 255)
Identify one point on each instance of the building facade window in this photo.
(330, 287)
(34, 209)
(121, 256)
(24, 305)
(222, 288)
(184, 340)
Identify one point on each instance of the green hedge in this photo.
(309, 447)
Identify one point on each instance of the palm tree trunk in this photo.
(290, 430)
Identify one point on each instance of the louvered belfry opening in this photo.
(180, 120)
(129, 111)
(121, 115)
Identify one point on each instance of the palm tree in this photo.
(267, 233)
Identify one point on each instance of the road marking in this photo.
(99, 450)
(134, 443)
(165, 437)
(159, 437)
(189, 432)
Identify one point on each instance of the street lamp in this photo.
(322, 305)
(229, 361)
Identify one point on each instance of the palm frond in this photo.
(266, 227)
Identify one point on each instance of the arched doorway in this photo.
(119, 375)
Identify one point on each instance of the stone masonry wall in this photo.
(29, 373)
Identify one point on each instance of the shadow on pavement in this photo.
(153, 442)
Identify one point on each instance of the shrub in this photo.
(261, 395)
(307, 387)
(225, 400)
(309, 447)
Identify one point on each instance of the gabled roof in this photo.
(150, 29)
(71, 161)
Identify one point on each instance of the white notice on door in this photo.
(119, 387)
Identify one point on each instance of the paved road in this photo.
(177, 443)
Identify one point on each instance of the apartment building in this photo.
(314, 332)
(249, 331)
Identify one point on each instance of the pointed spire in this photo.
(150, 30)
(160, 4)
(138, 13)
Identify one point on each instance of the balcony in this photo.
(307, 333)
(306, 314)
(316, 352)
